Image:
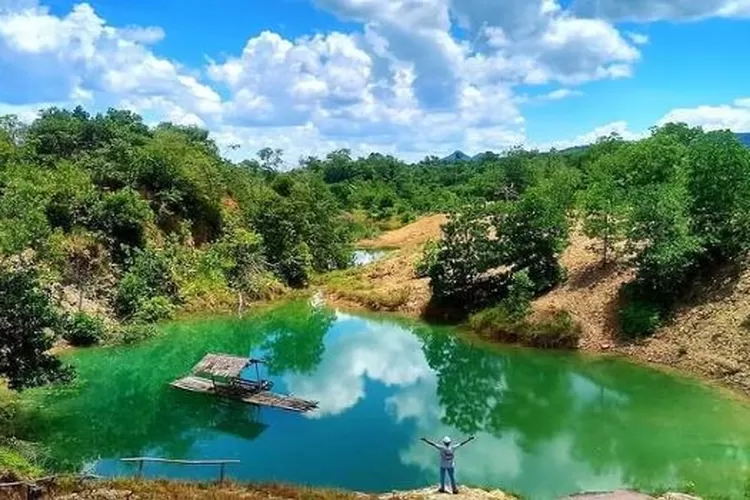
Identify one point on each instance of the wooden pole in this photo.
(140, 468)
(221, 473)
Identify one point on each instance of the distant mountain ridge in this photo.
(456, 156)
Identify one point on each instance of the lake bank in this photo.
(707, 336)
(130, 489)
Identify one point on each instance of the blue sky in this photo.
(406, 77)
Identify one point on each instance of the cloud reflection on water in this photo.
(383, 352)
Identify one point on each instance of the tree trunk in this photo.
(80, 298)
(606, 239)
(240, 303)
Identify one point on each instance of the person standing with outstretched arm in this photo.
(447, 460)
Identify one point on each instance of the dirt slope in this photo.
(709, 334)
(590, 294)
(411, 236)
(390, 283)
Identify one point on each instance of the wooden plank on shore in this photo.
(182, 462)
(263, 398)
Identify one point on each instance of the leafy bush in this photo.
(153, 310)
(122, 217)
(137, 332)
(149, 276)
(517, 302)
(406, 217)
(639, 318)
(83, 330)
(493, 320)
(14, 466)
(427, 259)
(558, 331)
(132, 291)
(26, 318)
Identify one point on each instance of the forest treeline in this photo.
(142, 221)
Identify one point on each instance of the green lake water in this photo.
(546, 423)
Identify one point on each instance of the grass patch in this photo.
(557, 330)
(173, 490)
(15, 466)
(353, 285)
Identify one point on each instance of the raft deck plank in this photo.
(263, 398)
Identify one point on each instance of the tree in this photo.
(719, 185)
(605, 208)
(242, 254)
(27, 323)
(122, 218)
(271, 159)
(532, 235)
(464, 253)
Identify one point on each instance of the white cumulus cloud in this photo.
(79, 57)
(656, 10)
(735, 117)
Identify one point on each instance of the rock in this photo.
(610, 495)
(678, 496)
(431, 493)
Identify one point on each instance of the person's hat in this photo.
(447, 440)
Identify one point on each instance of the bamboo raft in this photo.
(224, 372)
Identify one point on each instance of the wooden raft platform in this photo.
(224, 372)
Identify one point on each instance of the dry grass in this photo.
(133, 489)
(389, 284)
(410, 236)
(173, 490)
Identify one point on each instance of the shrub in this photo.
(154, 309)
(406, 217)
(122, 218)
(83, 330)
(131, 292)
(508, 321)
(427, 260)
(14, 466)
(493, 320)
(639, 318)
(134, 333)
(149, 276)
(560, 331)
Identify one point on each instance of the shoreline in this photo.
(70, 488)
(706, 339)
(619, 353)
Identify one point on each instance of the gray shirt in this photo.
(447, 454)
